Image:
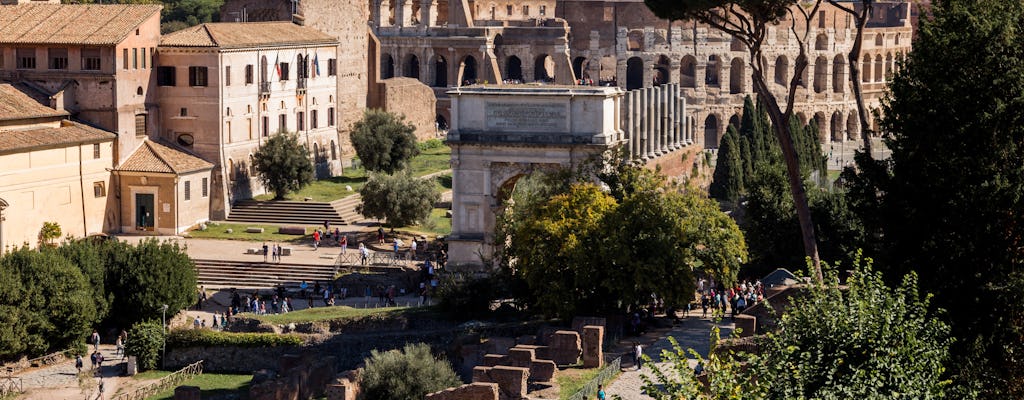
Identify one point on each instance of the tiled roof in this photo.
(155, 157)
(15, 104)
(68, 134)
(245, 34)
(88, 24)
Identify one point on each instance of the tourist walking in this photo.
(364, 253)
(119, 346)
(316, 239)
(638, 355)
(78, 363)
(380, 235)
(95, 338)
(265, 252)
(343, 242)
(600, 392)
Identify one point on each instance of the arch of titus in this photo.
(500, 133)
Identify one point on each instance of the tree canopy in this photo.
(401, 199)
(407, 374)
(384, 142)
(283, 165)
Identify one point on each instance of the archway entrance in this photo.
(634, 73)
(387, 67)
(544, 68)
(711, 132)
(469, 70)
(440, 71)
(412, 66)
(514, 69)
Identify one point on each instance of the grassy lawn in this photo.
(269, 234)
(571, 380)
(330, 189)
(324, 314)
(212, 385)
(436, 224)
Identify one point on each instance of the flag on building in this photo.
(277, 66)
(316, 65)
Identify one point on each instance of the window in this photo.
(334, 151)
(282, 122)
(99, 189)
(91, 59)
(206, 187)
(58, 58)
(188, 190)
(165, 76)
(152, 57)
(248, 74)
(526, 10)
(248, 124)
(313, 119)
(2, 59)
(508, 10)
(124, 58)
(227, 131)
(26, 58)
(821, 19)
(543, 10)
(140, 125)
(332, 67)
(330, 116)
(197, 76)
(135, 58)
(95, 151)
(143, 58)
(300, 120)
(227, 75)
(184, 112)
(265, 129)
(284, 71)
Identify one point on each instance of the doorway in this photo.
(144, 212)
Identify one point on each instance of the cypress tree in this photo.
(728, 178)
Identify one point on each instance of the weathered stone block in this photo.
(482, 374)
(565, 347)
(542, 370)
(527, 339)
(472, 391)
(491, 360)
(511, 381)
(593, 337)
(187, 393)
(520, 357)
(747, 324)
(579, 322)
(132, 366)
(253, 229)
(499, 345)
(292, 230)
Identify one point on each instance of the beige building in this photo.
(162, 190)
(226, 87)
(53, 170)
(95, 61)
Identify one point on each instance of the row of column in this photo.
(654, 121)
(381, 11)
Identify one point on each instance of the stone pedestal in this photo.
(565, 347)
(593, 337)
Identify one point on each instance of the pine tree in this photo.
(728, 178)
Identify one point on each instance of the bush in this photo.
(401, 198)
(145, 340)
(408, 374)
(146, 276)
(205, 338)
(430, 144)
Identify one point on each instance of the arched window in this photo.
(387, 67)
(688, 72)
(838, 74)
(334, 151)
(736, 75)
(711, 132)
(782, 71)
(888, 66)
(232, 175)
(878, 68)
(514, 69)
(865, 70)
(635, 40)
(440, 71)
(821, 42)
(634, 73)
(469, 70)
(837, 128)
(820, 74)
(412, 66)
(543, 68)
(138, 91)
(711, 71)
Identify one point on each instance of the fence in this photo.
(179, 376)
(590, 388)
(10, 385)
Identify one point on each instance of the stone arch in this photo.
(838, 74)
(734, 121)
(852, 125)
(821, 121)
(688, 71)
(865, 70)
(878, 68)
(711, 132)
(579, 68)
(802, 78)
(441, 121)
(801, 117)
(888, 67)
(387, 66)
(782, 71)
(661, 70)
(544, 68)
(736, 74)
(469, 70)
(820, 74)
(837, 128)
(737, 45)
(232, 175)
(634, 73)
(514, 68)
(440, 65)
(712, 70)
(821, 42)
(411, 66)
(879, 39)
(635, 40)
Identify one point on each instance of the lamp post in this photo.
(163, 319)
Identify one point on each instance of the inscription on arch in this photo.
(525, 117)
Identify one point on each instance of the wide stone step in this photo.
(285, 212)
(239, 274)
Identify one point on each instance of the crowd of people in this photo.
(717, 298)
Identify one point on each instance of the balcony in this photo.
(264, 89)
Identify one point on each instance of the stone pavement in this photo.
(693, 332)
(61, 381)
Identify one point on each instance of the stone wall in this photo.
(299, 376)
(472, 391)
(410, 97)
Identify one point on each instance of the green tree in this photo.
(48, 233)
(401, 199)
(146, 276)
(409, 374)
(283, 165)
(89, 256)
(384, 142)
(951, 196)
(867, 341)
(147, 339)
(727, 183)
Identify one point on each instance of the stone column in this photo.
(670, 98)
(428, 12)
(384, 12)
(634, 125)
(375, 13)
(403, 13)
(659, 120)
(666, 135)
(652, 125)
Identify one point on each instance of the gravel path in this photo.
(61, 381)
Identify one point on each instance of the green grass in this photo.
(324, 314)
(212, 385)
(436, 224)
(571, 381)
(330, 189)
(269, 234)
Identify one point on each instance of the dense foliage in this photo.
(401, 199)
(949, 201)
(205, 338)
(384, 142)
(283, 165)
(409, 374)
(865, 341)
(144, 277)
(147, 339)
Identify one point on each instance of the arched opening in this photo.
(711, 71)
(442, 122)
(138, 91)
(736, 74)
(711, 132)
(734, 121)
(635, 40)
(387, 67)
(412, 66)
(865, 70)
(440, 71)
(514, 69)
(634, 73)
(820, 120)
(852, 126)
(688, 72)
(820, 74)
(802, 80)
(879, 39)
(263, 69)
(782, 71)
(878, 68)
(543, 68)
(800, 116)
(232, 175)
(888, 67)
(821, 42)
(579, 68)
(252, 165)
(837, 128)
(839, 74)
(468, 70)
(661, 70)
(737, 45)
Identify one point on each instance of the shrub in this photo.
(144, 277)
(400, 198)
(205, 337)
(145, 341)
(408, 374)
(430, 144)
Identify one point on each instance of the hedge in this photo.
(206, 337)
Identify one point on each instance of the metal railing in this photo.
(179, 376)
(590, 388)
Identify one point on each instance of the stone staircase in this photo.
(287, 212)
(346, 208)
(220, 274)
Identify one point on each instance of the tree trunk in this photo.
(858, 93)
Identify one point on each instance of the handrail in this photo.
(590, 388)
(176, 377)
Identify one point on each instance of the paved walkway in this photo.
(693, 332)
(61, 381)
